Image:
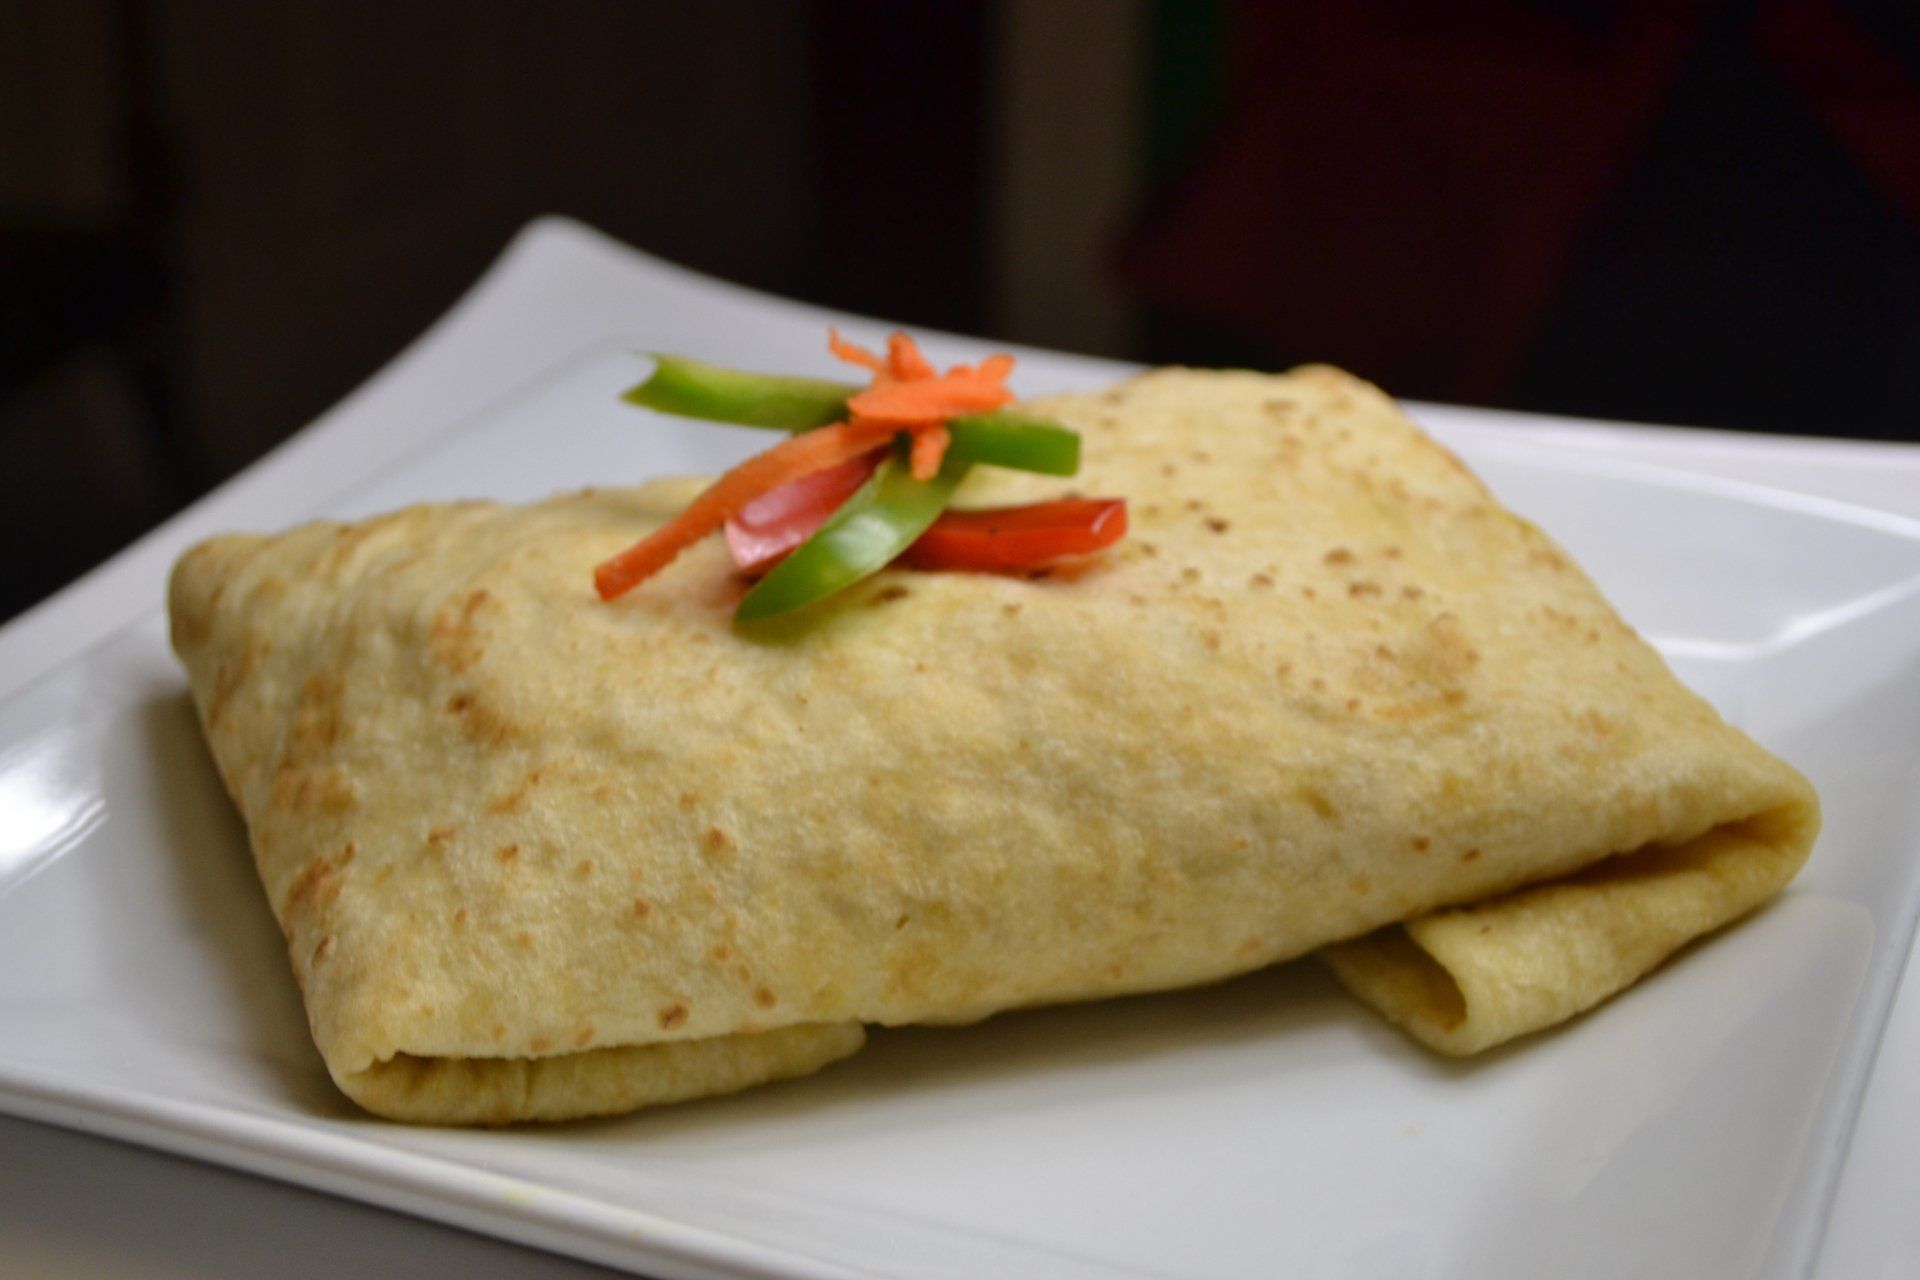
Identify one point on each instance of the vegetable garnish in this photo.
(1011, 539)
(781, 519)
(868, 472)
(908, 393)
(985, 540)
(798, 456)
(864, 536)
(695, 389)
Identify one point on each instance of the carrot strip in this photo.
(854, 353)
(904, 360)
(996, 367)
(797, 456)
(929, 399)
(929, 451)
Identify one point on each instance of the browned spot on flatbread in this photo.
(539, 1044)
(454, 636)
(1420, 844)
(1470, 855)
(1426, 675)
(515, 801)
(672, 1016)
(298, 790)
(314, 886)
(317, 720)
(583, 1037)
(764, 998)
(1321, 806)
(718, 841)
(642, 908)
(227, 679)
(481, 722)
(507, 852)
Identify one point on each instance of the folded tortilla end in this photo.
(1463, 980)
(599, 1082)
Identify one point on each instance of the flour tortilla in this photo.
(539, 857)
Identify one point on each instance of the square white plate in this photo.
(1264, 1126)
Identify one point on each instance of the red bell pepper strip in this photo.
(1002, 540)
(778, 521)
(1009, 539)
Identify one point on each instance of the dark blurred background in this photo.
(216, 216)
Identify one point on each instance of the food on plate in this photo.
(541, 854)
(866, 479)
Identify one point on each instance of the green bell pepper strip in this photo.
(1018, 442)
(869, 531)
(694, 389)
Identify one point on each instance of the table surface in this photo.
(76, 1205)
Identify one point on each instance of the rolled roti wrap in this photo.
(537, 856)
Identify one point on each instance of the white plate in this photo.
(1265, 1126)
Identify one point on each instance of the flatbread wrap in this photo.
(538, 856)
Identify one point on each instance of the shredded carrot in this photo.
(904, 360)
(995, 368)
(908, 394)
(797, 456)
(929, 399)
(854, 353)
(929, 451)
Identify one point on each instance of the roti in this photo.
(537, 856)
